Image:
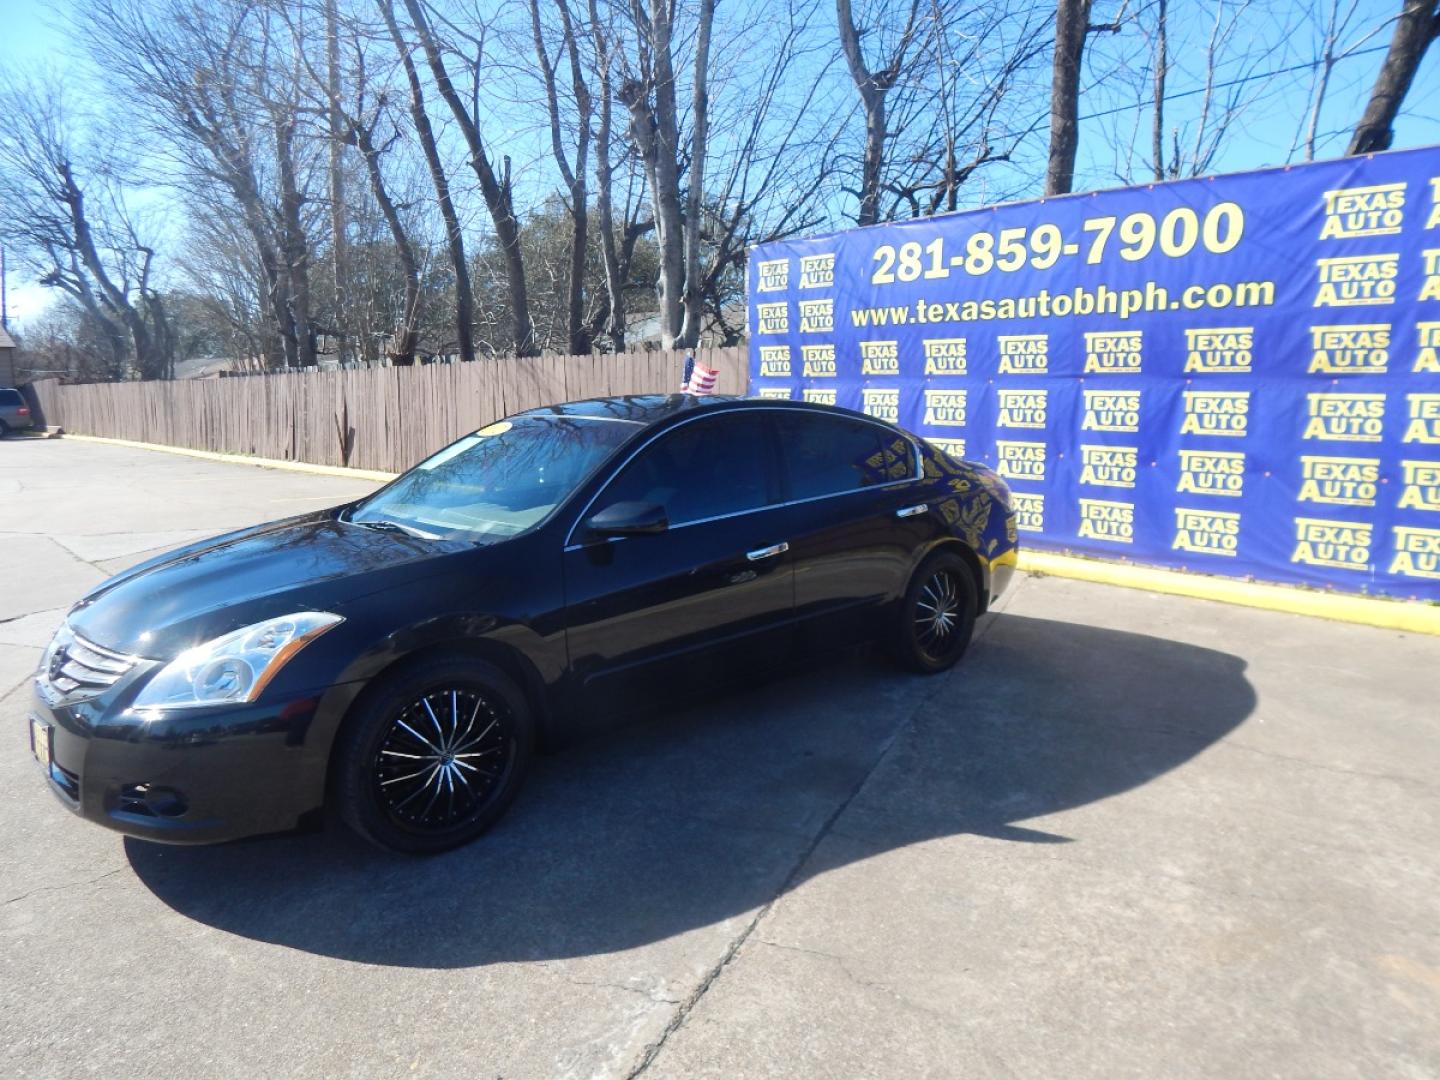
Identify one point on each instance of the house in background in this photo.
(7, 358)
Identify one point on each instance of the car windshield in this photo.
(499, 481)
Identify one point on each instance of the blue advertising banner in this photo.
(1236, 374)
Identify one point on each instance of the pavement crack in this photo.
(639, 991)
(76, 555)
(895, 992)
(687, 1006)
(23, 680)
(64, 888)
(801, 949)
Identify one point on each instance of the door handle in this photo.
(911, 511)
(767, 552)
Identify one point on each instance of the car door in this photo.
(714, 588)
(854, 519)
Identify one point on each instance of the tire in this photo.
(4, 429)
(399, 781)
(937, 615)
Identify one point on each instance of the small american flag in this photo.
(699, 379)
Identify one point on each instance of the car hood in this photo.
(316, 562)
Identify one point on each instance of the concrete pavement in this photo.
(1131, 835)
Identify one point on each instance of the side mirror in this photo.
(628, 519)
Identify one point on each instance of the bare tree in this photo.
(360, 133)
(282, 105)
(66, 340)
(719, 158)
(217, 256)
(1219, 111)
(693, 299)
(648, 92)
(1223, 59)
(768, 190)
(214, 81)
(574, 175)
(454, 238)
(321, 202)
(1232, 43)
(1072, 24)
(75, 231)
(930, 102)
(1416, 27)
(359, 122)
(339, 264)
(495, 188)
(1334, 26)
(1341, 34)
(1072, 28)
(970, 68)
(352, 121)
(874, 83)
(615, 275)
(1162, 69)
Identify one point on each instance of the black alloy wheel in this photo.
(937, 616)
(433, 755)
(443, 756)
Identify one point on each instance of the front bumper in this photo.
(186, 778)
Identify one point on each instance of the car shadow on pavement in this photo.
(683, 820)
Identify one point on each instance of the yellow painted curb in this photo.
(242, 459)
(1411, 616)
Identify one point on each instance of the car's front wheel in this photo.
(433, 755)
(937, 615)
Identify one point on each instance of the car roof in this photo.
(651, 409)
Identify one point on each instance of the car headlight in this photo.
(233, 668)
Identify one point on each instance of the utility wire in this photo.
(1252, 77)
(1310, 66)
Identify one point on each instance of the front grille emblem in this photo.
(78, 669)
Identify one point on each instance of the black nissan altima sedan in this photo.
(399, 659)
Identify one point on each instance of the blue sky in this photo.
(1271, 60)
(27, 33)
(27, 39)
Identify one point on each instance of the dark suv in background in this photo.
(14, 413)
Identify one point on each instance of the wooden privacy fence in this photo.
(372, 418)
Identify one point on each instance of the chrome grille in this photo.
(75, 669)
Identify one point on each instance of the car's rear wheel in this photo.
(433, 755)
(937, 615)
(4, 429)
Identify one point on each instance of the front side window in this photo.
(499, 481)
(828, 455)
(705, 469)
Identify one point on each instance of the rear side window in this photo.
(705, 469)
(11, 397)
(828, 455)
